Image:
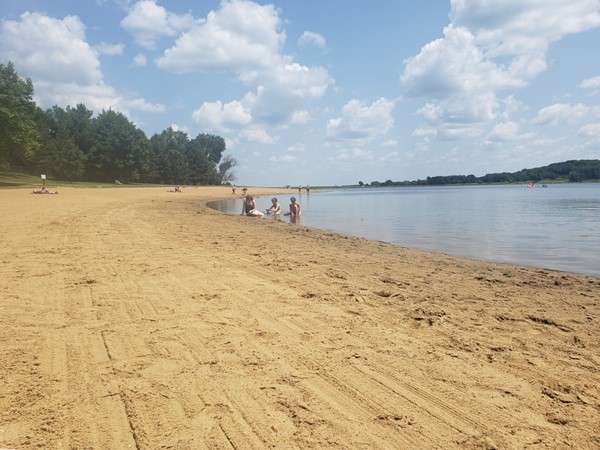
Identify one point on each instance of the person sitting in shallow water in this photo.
(275, 207)
(295, 209)
(249, 207)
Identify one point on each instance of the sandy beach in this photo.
(138, 318)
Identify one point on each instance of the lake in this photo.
(554, 228)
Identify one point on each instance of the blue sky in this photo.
(329, 92)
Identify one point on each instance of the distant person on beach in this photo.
(275, 207)
(233, 190)
(118, 182)
(177, 189)
(244, 191)
(295, 209)
(307, 189)
(249, 207)
(44, 190)
(299, 189)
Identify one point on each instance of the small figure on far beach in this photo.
(44, 190)
(299, 189)
(249, 207)
(307, 189)
(295, 209)
(275, 208)
(118, 182)
(233, 189)
(244, 190)
(177, 189)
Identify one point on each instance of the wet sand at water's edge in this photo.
(138, 318)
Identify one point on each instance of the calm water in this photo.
(554, 228)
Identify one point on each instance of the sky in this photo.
(329, 92)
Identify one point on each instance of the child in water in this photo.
(295, 209)
(275, 207)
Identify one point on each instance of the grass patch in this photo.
(13, 179)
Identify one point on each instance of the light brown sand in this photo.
(138, 318)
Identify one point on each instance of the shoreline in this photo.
(142, 318)
(555, 260)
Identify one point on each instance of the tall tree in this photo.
(169, 150)
(74, 123)
(66, 160)
(214, 146)
(226, 166)
(120, 150)
(19, 137)
(202, 168)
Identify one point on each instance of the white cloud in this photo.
(565, 113)
(425, 132)
(361, 153)
(140, 60)
(453, 64)
(515, 27)
(288, 158)
(504, 131)
(360, 123)
(352, 155)
(590, 83)
(257, 135)
(140, 104)
(183, 128)
(110, 49)
(149, 22)
(245, 38)
(241, 35)
(36, 42)
(221, 117)
(590, 130)
(490, 48)
(310, 38)
(390, 157)
(300, 81)
(300, 117)
(296, 148)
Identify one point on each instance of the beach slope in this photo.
(139, 318)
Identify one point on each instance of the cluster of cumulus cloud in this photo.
(462, 80)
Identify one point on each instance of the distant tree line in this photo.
(72, 144)
(574, 171)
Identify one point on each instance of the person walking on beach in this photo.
(233, 189)
(275, 208)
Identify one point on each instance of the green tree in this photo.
(169, 153)
(19, 137)
(213, 145)
(175, 169)
(75, 123)
(119, 150)
(67, 160)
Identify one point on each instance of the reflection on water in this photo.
(554, 228)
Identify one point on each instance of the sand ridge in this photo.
(138, 318)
